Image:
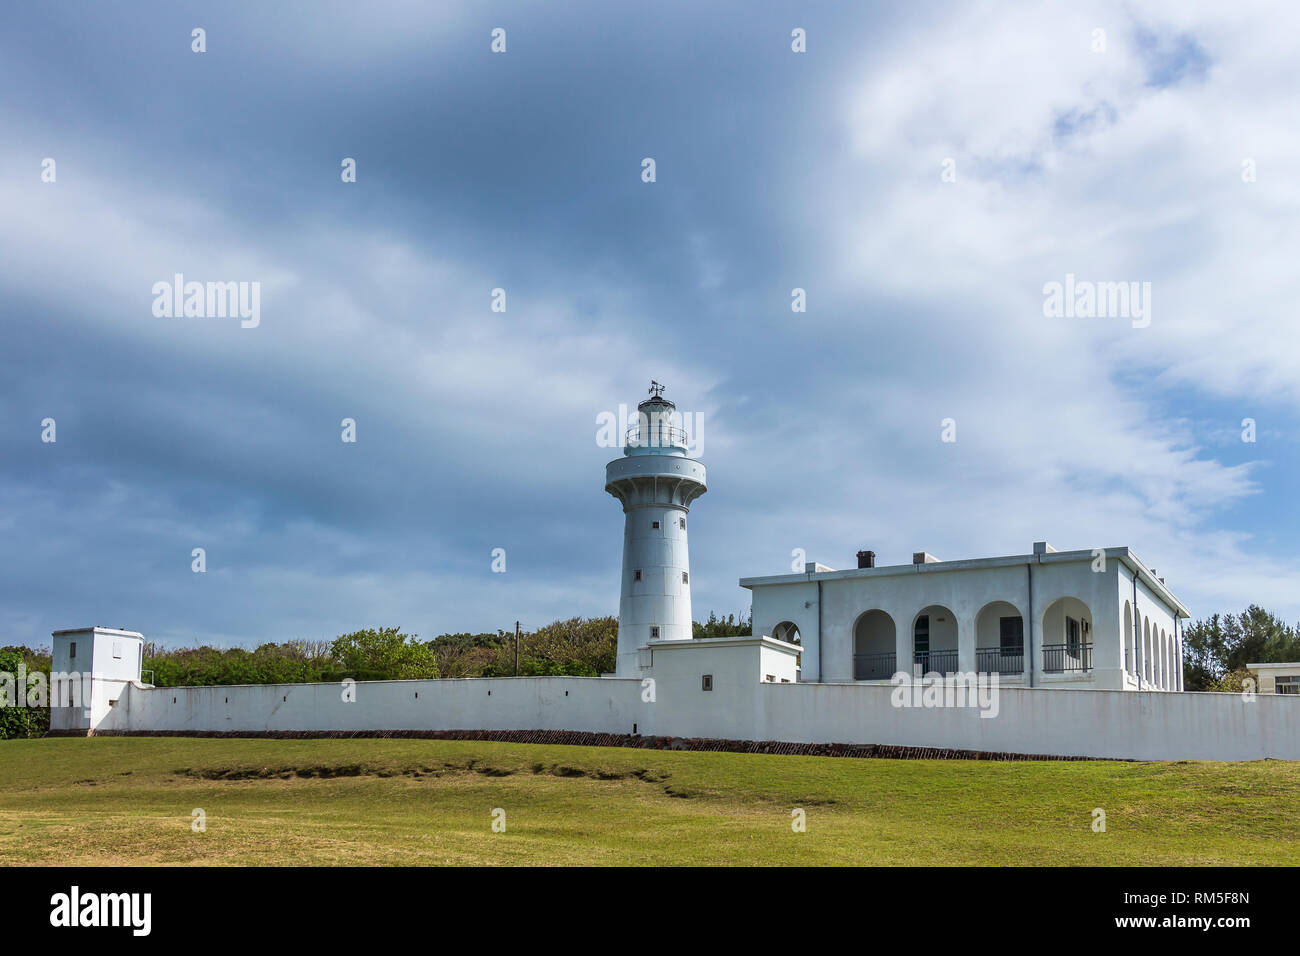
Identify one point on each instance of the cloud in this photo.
(476, 429)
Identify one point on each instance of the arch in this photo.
(1146, 649)
(1178, 658)
(999, 639)
(1066, 627)
(787, 631)
(934, 640)
(1130, 652)
(874, 647)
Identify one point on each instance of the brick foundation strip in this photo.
(580, 738)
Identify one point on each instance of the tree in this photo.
(728, 626)
(1223, 644)
(17, 719)
(384, 654)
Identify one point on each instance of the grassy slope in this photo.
(128, 801)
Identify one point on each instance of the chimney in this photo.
(866, 559)
(924, 557)
(1042, 547)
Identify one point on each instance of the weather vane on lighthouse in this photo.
(656, 389)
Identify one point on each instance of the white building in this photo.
(1278, 678)
(89, 669)
(1096, 619)
(656, 481)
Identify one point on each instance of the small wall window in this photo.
(654, 524)
(683, 521)
(636, 575)
(706, 682)
(117, 649)
(686, 578)
(72, 649)
(654, 632)
(1287, 684)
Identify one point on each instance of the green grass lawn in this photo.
(116, 801)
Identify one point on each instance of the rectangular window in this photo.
(72, 649)
(1012, 637)
(1288, 684)
(683, 521)
(686, 578)
(706, 682)
(636, 575)
(654, 633)
(117, 649)
(654, 524)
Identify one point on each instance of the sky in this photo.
(921, 171)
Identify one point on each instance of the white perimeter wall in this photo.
(607, 705)
(1133, 724)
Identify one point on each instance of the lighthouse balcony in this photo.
(656, 435)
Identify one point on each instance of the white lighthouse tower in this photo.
(656, 481)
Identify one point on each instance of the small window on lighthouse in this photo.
(683, 521)
(654, 633)
(654, 524)
(686, 578)
(636, 575)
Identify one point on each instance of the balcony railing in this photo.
(656, 435)
(1067, 658)
(940, 662)
(873, 666)
(998, 660)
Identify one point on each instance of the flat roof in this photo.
(99, 630)
(1124, 555)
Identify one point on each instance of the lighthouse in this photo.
(656, 480)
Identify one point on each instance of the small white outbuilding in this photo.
(89, 668)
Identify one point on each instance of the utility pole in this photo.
(516, 648)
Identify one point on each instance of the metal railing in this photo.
(873, 666)
(656, 435)
(940, 662)
(998, 660)
(1067, 658)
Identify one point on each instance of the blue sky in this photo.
(522, 170)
